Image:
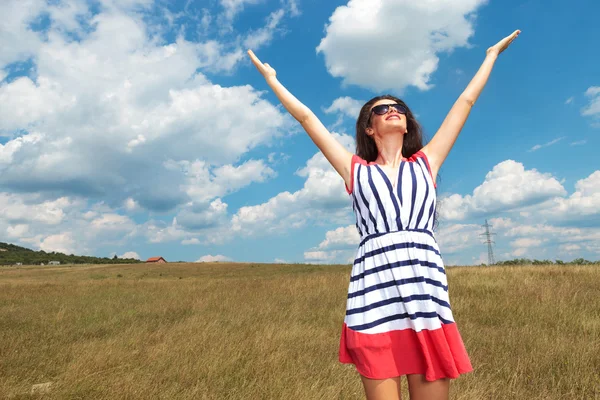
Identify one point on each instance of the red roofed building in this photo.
(156, 260)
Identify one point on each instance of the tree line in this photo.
(527, 261)
(11, 255)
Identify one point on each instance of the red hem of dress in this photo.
(438, 353)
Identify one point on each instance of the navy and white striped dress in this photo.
(398, 316)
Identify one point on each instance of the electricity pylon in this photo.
(488, 240)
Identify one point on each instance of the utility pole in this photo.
(488, 240)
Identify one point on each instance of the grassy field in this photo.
(248, 331)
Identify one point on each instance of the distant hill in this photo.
(11, 255)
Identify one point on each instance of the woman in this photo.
(398, 317)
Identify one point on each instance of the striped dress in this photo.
(398, 317)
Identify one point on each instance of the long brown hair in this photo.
(413, 140)
(365, 145)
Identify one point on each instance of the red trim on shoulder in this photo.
(421, 154)
(355, 159)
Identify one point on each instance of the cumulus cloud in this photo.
(17, 231)
(344, 237)
(533, 239)
(357, 45)
(582, 207)
(329, 257)
(205, 182)
(345, 105)
(210, 258)
(202, 218)
(322, 198)
(17, 41)
(454, 238)
(60, 243)
(130, 254)
(508, 186)
(33, 209)
(123, 123)
(339, 247)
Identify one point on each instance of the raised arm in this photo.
(438, 148)
(336, 154)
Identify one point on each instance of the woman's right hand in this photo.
(265, 69)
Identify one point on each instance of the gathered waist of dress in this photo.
(366, 238)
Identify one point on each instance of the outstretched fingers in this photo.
(255, 60)
(513, 36)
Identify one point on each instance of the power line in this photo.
(488, 240)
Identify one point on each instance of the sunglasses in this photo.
(383, 109)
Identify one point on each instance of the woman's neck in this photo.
(390, 150)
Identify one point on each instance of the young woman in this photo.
(398, 317)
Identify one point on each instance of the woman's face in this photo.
(394, 120)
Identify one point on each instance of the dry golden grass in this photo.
(248, 331)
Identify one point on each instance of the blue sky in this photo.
(140, 128)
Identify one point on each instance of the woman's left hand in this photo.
(503, 44)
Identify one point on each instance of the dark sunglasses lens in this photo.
(400, 109)
(381, 109)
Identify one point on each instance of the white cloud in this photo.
(344, 237)
(593, 108)
(232, 7)
(17, 231)
(108, 226)
(583, 206)
(323, 198)
(354, 50)
(159, 232)
(578, 142)
(570, 100)
(508, 186)
(454, 238)
(16, 40)
(345, 105)
(526, 242)
(130, 254)
(339, 247)
(571, 249)
(329, 257)
(205, 182)
(210, 258)
(131, 205)
(264, 35)
(60, 243)
(17, 209)
(203, 217)
(526, 246)
(550, 143)
(120, 123)
(190, 241)
(293, 8)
